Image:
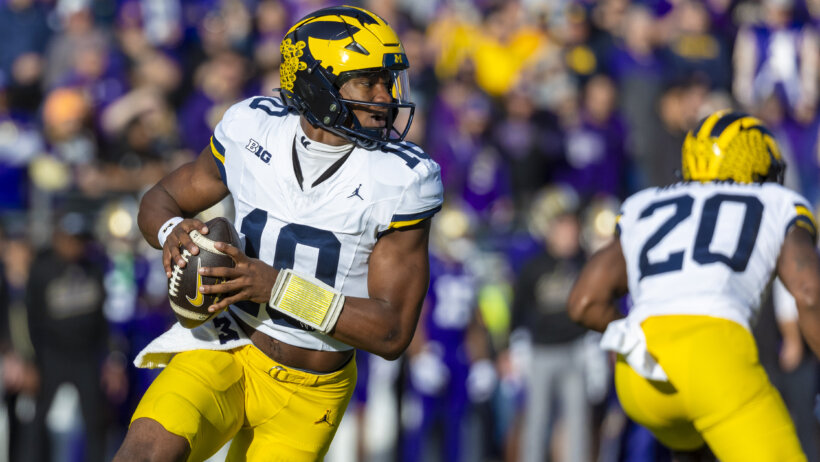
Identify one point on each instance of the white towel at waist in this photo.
(177, 339)
(626, 337)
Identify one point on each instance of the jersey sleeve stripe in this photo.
(218, 151)
(400, 221)
(804, 223)
(804, 219)
(803, 211)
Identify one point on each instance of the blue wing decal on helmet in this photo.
(327, 30)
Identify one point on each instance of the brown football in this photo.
(191, 306)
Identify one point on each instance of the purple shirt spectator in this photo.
(595, 157)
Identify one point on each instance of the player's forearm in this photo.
(375, 326)
(595, 315)
(398, 275)
(602, 281)
(184, 192)
(799, 269)
(591, 304)
(156, 207)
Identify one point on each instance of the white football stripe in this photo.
(185, 313)
(204, 243)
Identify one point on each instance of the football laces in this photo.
(176, 275)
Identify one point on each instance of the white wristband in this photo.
(166, 229)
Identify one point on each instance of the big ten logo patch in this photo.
(259, 151)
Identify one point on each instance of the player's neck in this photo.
(320, 135)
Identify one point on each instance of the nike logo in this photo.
(325, 419)
(200, 297)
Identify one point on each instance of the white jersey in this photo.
(706, 248)
(327, 231)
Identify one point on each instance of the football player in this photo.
(696, 257)
(334, 208)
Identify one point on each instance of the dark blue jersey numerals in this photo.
(226, 334)
(748, 231)
(753, 214)
(271, 106)
(407, 151)
(683, 208)
(328, 246)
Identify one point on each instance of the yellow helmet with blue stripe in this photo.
(326, 48)
(731, 146)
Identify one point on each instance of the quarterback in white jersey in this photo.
(334, 208)
(696, 258)
(335, 223)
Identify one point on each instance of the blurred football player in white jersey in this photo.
(696, 257)
(334, 208)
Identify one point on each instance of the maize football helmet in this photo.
(328, 47)
(731, 146)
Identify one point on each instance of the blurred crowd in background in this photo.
(543, 114)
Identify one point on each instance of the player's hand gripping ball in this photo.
(189, 304)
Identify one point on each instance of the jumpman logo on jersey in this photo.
(356, 193)
(325, 418)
